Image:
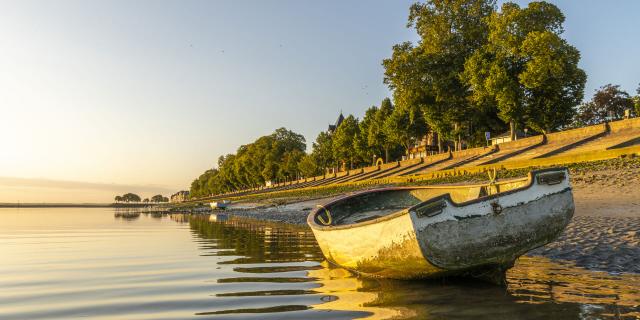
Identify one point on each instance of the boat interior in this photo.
(379, 203)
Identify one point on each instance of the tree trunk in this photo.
(386, 154)
(439, 144)
(512, 129)
(455, 140)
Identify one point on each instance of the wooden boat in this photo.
(219, 205)
(436, 231)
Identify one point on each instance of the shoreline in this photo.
(604, 234)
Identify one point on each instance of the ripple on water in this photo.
(176, 267)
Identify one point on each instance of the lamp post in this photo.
(525, 132)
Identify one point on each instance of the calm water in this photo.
(90, 263)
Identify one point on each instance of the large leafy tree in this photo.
(289, 164)
(608, 101)
(323, 150)
(130, 197)
(377, 138)
(343, 139)
(526, 68)
(158, 198)
(405, 126)
(308, 167)
(428, 75)
(361, 146)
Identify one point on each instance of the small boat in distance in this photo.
(438, 231)
(219, 205)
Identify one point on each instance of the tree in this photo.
(289, 166)
(308, 167)
(530, 73)
(118, 199)
(405, 126)
(130, 197)
(608, 102)
(343, 139)
(377, 139)
(157, 198)
(323, 150)
(270, 157)
(145, 200)
(361, 146)
(428, 75)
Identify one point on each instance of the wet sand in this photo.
(605, 231)
(603, 235)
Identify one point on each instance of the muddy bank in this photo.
(293, 213)
(598, 243)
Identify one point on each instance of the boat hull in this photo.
(480, 238)
(388, 250)
(218, 205)
(496, 239)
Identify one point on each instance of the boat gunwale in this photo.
(530, 179)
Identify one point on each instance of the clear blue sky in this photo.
(145, 95)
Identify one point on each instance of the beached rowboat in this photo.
(219, 205)
(436, 231)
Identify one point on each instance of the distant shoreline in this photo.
(77, 205)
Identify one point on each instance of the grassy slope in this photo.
(577, 171)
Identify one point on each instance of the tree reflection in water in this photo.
(278, 271)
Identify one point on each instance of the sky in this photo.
(98, 98)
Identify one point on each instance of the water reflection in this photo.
(277, 271)
(92, 263)
(127, 214)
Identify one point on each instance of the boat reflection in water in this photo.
(271, 270)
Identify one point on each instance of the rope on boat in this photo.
(326, 223)
(492, 176)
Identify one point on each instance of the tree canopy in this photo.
(377, 136)
(608, 102)
(323, 150)
(159, 198)
(343, 140)
(128, 197)
(526, 68)
(428, 75)
(272, 157)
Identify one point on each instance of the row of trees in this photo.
(276, 157)
(385, 131)
(132, 197)
(475, 69)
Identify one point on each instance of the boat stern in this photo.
(494, 230)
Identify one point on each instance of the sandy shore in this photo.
(604, 234)
(605, 231)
